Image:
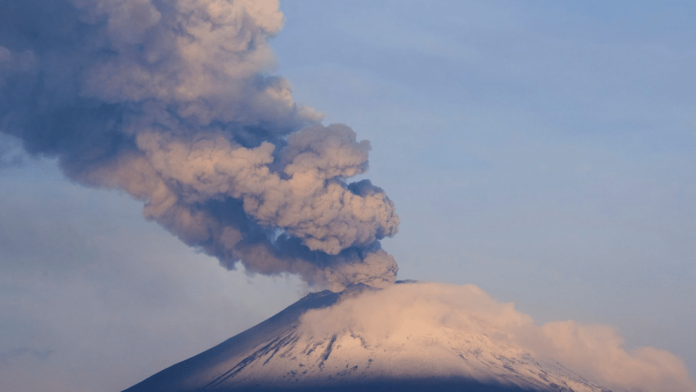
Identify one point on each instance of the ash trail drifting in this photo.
(173, 102)
(421, 337)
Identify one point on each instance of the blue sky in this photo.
(541, 150)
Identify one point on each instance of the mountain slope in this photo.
(285, 352)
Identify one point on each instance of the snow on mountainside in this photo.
(288, 352)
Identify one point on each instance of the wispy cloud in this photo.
(401, 315)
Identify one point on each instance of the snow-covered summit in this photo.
(308, 346)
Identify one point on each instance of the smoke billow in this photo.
(173, 102)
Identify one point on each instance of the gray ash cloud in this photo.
(174, 103)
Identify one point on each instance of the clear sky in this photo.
(544, 151)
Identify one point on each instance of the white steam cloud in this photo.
(172, 101)
(426, 317)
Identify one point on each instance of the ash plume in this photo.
(173, 102)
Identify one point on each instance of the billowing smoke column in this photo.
(172, 101)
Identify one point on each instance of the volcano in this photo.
(291, 352)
